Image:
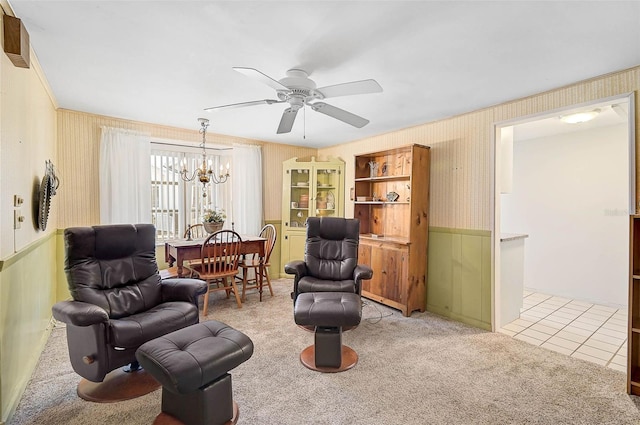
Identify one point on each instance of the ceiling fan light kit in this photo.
(298, 90)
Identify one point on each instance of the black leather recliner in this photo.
(119, 301)
(331, 258)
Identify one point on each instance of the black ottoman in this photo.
(192, 365)
(328, 313)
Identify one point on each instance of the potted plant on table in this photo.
(213, 220)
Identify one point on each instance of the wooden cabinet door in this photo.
(364, 258)
(292, 248)
(390, 265)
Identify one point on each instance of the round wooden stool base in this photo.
(349, 360)
(166, 419)
(118, 385)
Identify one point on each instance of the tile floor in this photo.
(578, 329)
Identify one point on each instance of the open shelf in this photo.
(382, 203)
(383, 178)
(633, 361)
(385, 238)
(634, 380)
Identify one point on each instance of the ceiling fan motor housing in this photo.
(301, 88)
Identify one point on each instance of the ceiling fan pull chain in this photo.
(304, 122)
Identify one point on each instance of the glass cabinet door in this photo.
(309, 189)
(300, 196)
(327, 192)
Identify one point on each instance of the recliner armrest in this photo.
(297, 267)
(360, 273)
(78, 313)
(182, 289)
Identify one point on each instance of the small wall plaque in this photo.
(16, 41)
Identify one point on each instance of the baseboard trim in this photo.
(458, 318)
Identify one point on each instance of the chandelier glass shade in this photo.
(204, 173)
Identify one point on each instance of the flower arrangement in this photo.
(214, 216)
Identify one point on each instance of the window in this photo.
(176, 204)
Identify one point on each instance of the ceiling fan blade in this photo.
(263, 78)
(243, 104)
(286, 122)
(347, 89)
(340, 114)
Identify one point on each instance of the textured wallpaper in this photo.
(462, 148)
(78, 150)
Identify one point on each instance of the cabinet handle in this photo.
(384, 272)
(286, 237)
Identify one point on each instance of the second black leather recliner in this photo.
(331, 258)
(119, 301)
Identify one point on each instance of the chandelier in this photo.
(204, 173)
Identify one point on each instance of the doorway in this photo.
(565, 187)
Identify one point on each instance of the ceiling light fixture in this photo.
(579, 117)
(204, 173)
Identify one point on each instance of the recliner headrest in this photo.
(333, 228)
(113, 267)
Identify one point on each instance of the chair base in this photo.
(118, 385)
(167, 419)
(349, 360)
(312, 328)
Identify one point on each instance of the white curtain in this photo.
(125, 176)
(246, 177)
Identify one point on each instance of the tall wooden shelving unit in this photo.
(394, 233)
(633, 343)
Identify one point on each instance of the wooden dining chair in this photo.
(220, 255)
(194, 231)
(252, 262)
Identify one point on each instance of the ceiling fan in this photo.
(298, 90)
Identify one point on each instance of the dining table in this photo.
(178, 250)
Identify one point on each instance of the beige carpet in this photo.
(418, 370)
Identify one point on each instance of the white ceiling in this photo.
(165, 61)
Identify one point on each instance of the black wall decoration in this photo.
(48, 188)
